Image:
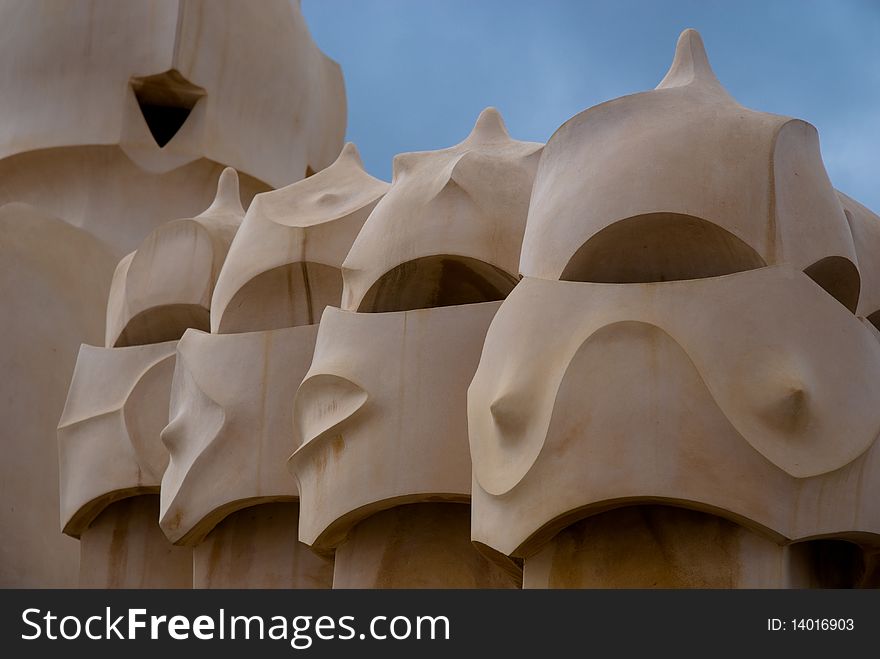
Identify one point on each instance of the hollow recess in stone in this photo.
(660, 247)
(166, 100)
(437, 281)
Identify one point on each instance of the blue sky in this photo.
(418, 72)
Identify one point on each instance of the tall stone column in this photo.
(111, 465)
(227, 492)
(158, 291)
(384, 471)
(115, 119)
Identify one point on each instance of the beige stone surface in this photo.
(368, 399)
(748, 394)
(108, 434)
(865, 226)
(85, 87)
(657, 547)
(257, 547)
(100, 190)
(45, 265)
(80, 73)
(421, 545)
(124, 548)
(702, 407)
(683, 182)
(645, 354)
(652, 546)
(283, 267)
(230, 428)
(165, 286)
(455, 218)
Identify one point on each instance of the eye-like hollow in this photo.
(831, 563)
(437, 281)
(323, 402)
(165, 100)
(839, 278)
(287, 296)
(163, 323)
(660, 247)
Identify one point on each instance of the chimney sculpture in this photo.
(118, 401)
(227, 492)
(115, 118)
(701, 413)
(383, 471)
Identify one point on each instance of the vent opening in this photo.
(165, 100)
(660, 247)
(437, 281)
(840, 279)
(163, 323)
(831, 563)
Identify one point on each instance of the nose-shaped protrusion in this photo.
(323, 402)
(171, 434)
(789, 411)
(509, 413)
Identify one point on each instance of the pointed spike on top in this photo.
(402, 162)
(228, 198)
(489, 127)
(690, 64)
(350, 153)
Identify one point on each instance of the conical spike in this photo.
(228, 198)
(690, 64)
(489, 127)
(350, 152)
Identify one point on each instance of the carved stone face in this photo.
(723, 392)
(669, 342)
(229, 430)
(108, 435)
(381, 414)
(682, 182)
(456, 216)
(170, 82)
(284, 265)
(165, 286)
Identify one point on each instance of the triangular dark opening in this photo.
(165, 100)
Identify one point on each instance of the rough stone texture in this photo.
(257, 547)
(423, 545)
(124, 548)
(656, 547)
